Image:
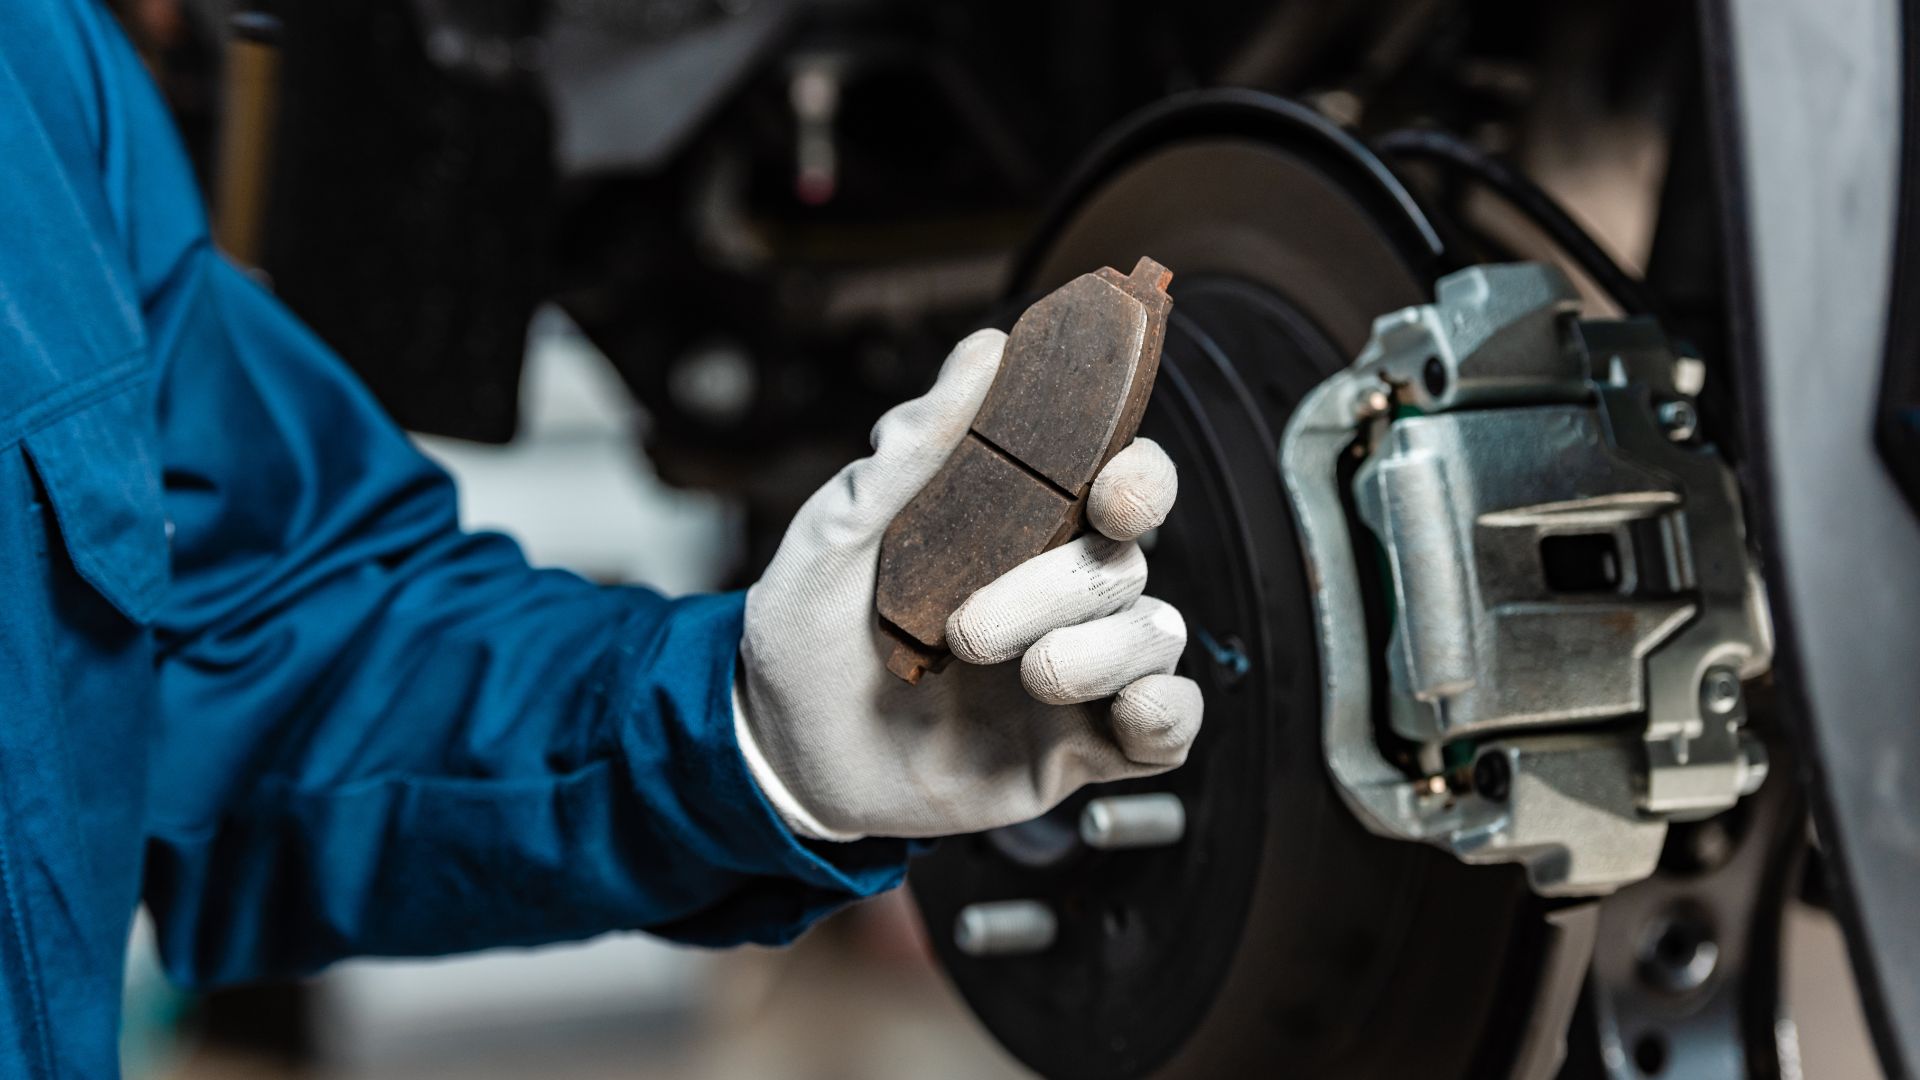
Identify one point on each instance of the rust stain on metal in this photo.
(1078, 370)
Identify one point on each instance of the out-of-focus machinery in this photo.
(1557, 616)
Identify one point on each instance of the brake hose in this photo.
(1530, 200)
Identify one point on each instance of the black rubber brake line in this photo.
(1527, 197)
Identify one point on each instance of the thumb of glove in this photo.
(914, 438)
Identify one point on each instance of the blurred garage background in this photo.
(641, 275)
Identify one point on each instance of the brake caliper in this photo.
(1565, 607)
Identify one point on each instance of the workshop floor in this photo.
(855, 1000)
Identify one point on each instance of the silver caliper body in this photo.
(1573, 605)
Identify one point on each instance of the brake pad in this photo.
(1074, 380)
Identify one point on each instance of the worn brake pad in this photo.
(1073, 383)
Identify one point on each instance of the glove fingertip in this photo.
(955, 396)
(977, 346)
(972, 636)
(1134, 492)
(1156, 719)
(1165, 620)
(969, 370)
(1042, 677)
(914, 438)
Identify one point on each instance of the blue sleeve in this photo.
(377, 734)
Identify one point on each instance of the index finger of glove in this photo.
(1086, 579)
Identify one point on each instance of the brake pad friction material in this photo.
(1073, 383)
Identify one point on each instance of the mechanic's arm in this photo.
(378, 734)
(381, 735)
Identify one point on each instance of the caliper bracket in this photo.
(1574, 605)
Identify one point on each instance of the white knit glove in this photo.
(843, 749)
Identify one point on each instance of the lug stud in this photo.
(1118, 822)
(1004, 928)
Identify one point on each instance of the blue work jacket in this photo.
(251, 671)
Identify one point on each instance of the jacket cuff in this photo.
(787, 881)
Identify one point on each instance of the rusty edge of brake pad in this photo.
(1074, 380)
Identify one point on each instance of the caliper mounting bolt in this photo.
(1493, 776)
(1679, 419)
(1720, 691)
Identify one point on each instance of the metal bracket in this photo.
(1573, 601)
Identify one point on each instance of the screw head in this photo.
(1678, 952)
(1370, 403)
(1720, 691)
(1679, 420)
(1493, 776)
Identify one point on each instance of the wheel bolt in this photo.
(1118, 822)
(1004, 928)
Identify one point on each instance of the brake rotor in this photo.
(1277, 936)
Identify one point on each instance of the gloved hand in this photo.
(843, 749)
